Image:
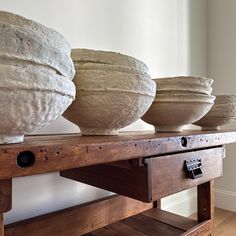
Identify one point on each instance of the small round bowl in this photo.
(180, 110)
(108, 100)
(225, 99)
(219, 115)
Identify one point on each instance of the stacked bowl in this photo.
(223, 112)
(179, 101)
(36, 73)
(112, 91)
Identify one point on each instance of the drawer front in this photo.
(159, 177)
(167, 174)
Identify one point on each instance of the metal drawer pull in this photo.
(193, 168)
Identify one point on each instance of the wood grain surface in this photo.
(60, 152)
(80, 219)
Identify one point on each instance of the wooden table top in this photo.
(66, 151)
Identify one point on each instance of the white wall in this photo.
(155, 31)
(222, 67)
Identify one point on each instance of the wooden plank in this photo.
(116, 229)
(203, 229)
(112, 178)
(169, 176)
(60, 152)
(174, 220)
(205, 201)
(5, 195)
(151, 227)
(80, 219)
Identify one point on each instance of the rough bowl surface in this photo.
(184, 98)
(109, 100)
(25, 40)
(183, 80)
(30, 97)
(172, 116)
(219, 115)
(225, 99)
(184, 89)
(109, 58)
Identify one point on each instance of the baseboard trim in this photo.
(184, 206)
(225, 199)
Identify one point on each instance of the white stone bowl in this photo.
(225, 99)
(171, 115)
(108, 100)
(219, 115)
(184, 84)
(107, 58)
(30, 42)
(31, 97)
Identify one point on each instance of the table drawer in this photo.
(154, 178)
(168, 173)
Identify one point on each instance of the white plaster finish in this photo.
(227, 109)
(99, 66)
(219, 115)
(106, 57)
(55, 37)
(185, 80)
(108, 100)
(184, 88)
(17, 42)
(29, 80)
(225, 99)
(184, 85)
(172, 116)
(30, 97)
(187, 98)
(108, 80)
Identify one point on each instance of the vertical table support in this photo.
(157, 204)
(5, 200)
(205, 200)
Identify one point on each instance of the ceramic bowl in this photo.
(31, 97)
(225, 99)
(184, 84)
(108, 100)
(107, 58)
(170, 113)
(219, 115)
(30, 42)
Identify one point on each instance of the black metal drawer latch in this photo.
(193, 168)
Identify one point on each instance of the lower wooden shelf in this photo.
(155, 222)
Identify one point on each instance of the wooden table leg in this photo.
(157, 204)
(5, 200)
(205, 202)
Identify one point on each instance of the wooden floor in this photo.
(225, 223)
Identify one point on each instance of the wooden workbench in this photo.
(142, 167)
